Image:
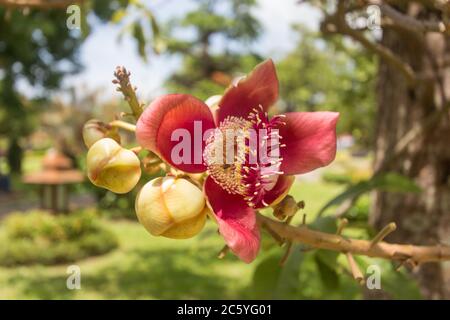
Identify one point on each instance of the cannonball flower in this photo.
(249, 179)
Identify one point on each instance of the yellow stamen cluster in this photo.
(225, 158)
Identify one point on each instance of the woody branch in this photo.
(375, 248)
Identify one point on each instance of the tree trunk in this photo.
(421, 218)
(14, 157)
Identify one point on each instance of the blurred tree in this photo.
(36, 51)
(32, 47)
(213, 40)
(331, 75)
(412, 40)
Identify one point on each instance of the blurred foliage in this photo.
(32, 47)
(139, 22)
(332, 75)
(40, 237)
(37, 51)
(337, 177)
(213, 40)
(387, 182)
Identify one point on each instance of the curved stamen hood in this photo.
(242, 155)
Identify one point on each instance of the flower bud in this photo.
(213, 101)
(171, 207)
(112, 167)
(94, 130)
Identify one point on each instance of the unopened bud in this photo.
(95, 130)
(112, 167)
(285, 208)
(171, 207)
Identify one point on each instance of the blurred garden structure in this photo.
(381, 64)
(54, 181)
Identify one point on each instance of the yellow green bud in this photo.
(94, 130)
(171, 207)
(112, 167)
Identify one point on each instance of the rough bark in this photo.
(421, 218)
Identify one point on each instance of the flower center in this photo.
(242, 155)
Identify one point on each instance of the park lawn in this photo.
(146, 267)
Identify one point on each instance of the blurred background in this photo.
(388, 78)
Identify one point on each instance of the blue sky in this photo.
(102, 52)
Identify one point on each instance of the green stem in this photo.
(123, 125)
(128, 91)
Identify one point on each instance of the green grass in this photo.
(146, 267)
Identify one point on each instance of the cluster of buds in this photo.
(172, 207)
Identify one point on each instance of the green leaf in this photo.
(118, 15)
(272, 281)
(138, 34)
(390, 182)
(288, 283)
(328, 274)
(324, 224)
(401, 285)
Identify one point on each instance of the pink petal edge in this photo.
(166, 114)
(310, 139)
(260, 87)
(236, 220)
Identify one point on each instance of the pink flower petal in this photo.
(279, 191)
(237, 221)
(163, 116)
(310, 139)
(260, 87)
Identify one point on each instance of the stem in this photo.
(223, 252)
(356, 272)
(123, 125)
(128, 91)
(334, 242)
(383, 233)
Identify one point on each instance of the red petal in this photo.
(310, 139)
(260, 87)
(237, 221)
(279, 191)
(168, 113)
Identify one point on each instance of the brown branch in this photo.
(383, 233)
(40, 4)
(356, 271)
(122, 79)
(334, 242)
(407, 22)
(342, 224)
(336, 23)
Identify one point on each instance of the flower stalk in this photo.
(122, 80)
(123, 125)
